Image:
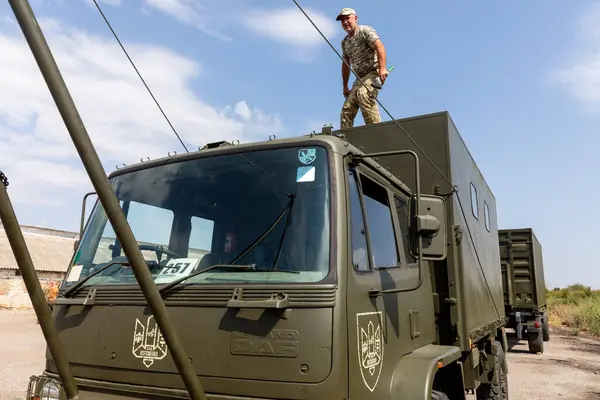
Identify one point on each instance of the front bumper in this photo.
(48, 387)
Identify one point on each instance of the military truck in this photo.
(524, 286)
(293, 270)
(343, 264)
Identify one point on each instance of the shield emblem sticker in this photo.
(307, 156)
(370, 347)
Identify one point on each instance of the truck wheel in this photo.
(436, 395)
(545, 328)
(536, 342)
(487, 391)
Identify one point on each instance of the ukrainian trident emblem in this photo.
(148, 342)
(370, 347)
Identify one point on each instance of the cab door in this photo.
(381, 327)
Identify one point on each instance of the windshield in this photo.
(271, 207)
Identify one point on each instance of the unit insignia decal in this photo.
(148, 342)
(307, 156)
(370, 347)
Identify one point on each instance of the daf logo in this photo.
(148, 342)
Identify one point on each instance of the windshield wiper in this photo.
(220, 266)
(252, 245)
(73, 288)
(244, 268)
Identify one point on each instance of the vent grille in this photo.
(321, 296)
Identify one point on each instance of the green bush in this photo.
(576, 306)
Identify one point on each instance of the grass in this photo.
(576, 307)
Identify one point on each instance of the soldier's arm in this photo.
(375, 42)
(381, 54)
(345, 71)
(345, 67)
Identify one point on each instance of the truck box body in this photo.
(522, 269)
(468, 284)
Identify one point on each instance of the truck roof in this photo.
(336, 141)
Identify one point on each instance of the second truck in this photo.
(524, 286)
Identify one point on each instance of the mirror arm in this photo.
(82, 223)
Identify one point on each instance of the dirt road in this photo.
(569, 369)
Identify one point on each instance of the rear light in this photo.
(536, 324)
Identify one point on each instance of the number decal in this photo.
(176, 268)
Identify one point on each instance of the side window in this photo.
(381, 229)
(486, 215)
(360, 259)
(201, 237)
(402, 211)
(474, 203)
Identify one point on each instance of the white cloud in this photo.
(582, 77)
(192, 12)
(290, 26)
(243, 110)
(114, 3)
(121, 118)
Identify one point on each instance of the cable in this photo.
(142, 79)
(454, 188)
(477, 255)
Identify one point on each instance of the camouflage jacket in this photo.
(359, 51)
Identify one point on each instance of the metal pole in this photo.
(36, 294)
(89, 157)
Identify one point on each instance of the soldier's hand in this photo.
(346, 91)
(383, 73)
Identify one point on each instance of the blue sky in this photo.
(520, 79)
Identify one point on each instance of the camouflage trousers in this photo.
(362, 97)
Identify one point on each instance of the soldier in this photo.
(363, 50)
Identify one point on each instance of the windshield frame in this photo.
(331, 154)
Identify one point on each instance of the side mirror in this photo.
(430, 225)
(75, 245)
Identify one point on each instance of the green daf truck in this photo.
(524, 286)
(349, 264)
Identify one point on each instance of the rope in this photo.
(140, 75)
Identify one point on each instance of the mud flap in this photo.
(414, 373)
(504, 340)
(518, 327)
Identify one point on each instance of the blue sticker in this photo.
(307, 156)
(305, 174)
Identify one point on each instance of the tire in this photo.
(487, 391)
(545, 328)
(536, 342)
(437, 395)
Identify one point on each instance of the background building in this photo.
(50, 250)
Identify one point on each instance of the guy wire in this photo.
(140, 75)
(454, 188)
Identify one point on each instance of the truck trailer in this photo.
(357, 263)
(524, 286)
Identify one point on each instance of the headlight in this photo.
(50, 391)
(44, 388)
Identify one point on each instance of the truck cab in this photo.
(291, 269)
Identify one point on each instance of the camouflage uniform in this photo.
(358, 50)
